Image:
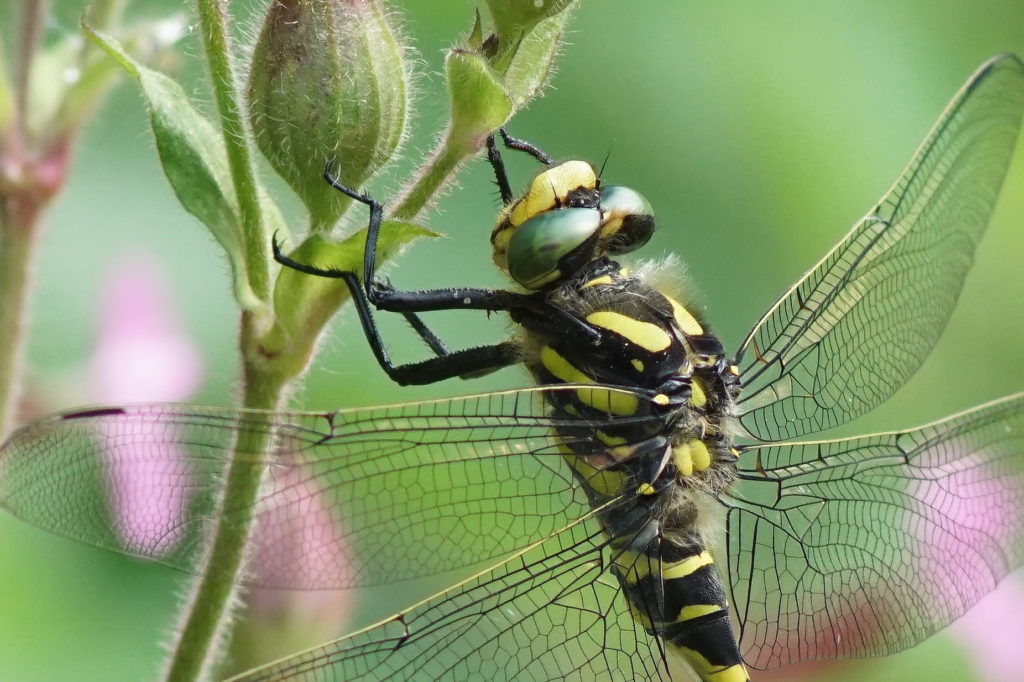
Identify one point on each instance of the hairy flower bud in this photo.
(328, 83)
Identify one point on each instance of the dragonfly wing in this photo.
(550, 612)
(865, 546)
(356, 497)
(855, 327)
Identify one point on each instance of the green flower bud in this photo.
(328, 83)
(478, 99)
(515, 18)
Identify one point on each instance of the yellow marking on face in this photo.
(611, 226)
(601, 481)
(638, 365)
(687, 566)
(624, 272)
(686, 321)
(622, 404)
(696, 611)
(709, 672)
(645, 489)
(648, 336)
(683, 460)
(660, 399)
(501, 238)
(598, 281)
(698, 398)
(550, 186)
(733, 369)
(609, 439)
(540, 282)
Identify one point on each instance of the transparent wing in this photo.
(548, 613)
(356, 497)
(865, 546)
(855, 327)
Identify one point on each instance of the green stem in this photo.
(441, 167)
(32, 19)
(19, 218)
(238, 139)
(209, 610)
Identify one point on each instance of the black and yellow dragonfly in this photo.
(649, 499)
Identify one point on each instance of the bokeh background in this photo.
(759, 131)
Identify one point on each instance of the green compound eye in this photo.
(628, 219)
(541, 243)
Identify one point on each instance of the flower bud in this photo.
(328, 83)
(524, 44)
(515, 18)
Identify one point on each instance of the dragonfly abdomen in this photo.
(674, 593)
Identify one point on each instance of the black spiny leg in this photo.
(498, 165)
(524, 146)
(447, 364)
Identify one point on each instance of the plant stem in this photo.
(32, 18)
(238, 139)
(209, 610)
(442, 165)
(19, 218)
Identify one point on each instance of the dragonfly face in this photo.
(595, 499)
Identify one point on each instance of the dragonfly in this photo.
(653, 498)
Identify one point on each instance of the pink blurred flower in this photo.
(142, 355)
(993, 631)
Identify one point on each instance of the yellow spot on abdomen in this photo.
(622, 404)
(709, 672)
(686, 321)
(698, 398)
(638, 365)
(689, 565)
(691, 456)
(648, 336)
(696, 611)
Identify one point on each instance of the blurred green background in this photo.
(759, 132)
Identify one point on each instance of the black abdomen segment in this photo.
(678, 597)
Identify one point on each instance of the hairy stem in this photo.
(208, 617)
(435, 173)
(208, 613)
(238, 139)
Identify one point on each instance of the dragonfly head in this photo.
(565, 220)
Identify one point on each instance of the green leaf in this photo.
(303, 303)
(194, 160)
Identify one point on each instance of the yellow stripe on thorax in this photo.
(601, 481)
(598, 281)
(622, 404)
(647, 335)
(684, 318)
